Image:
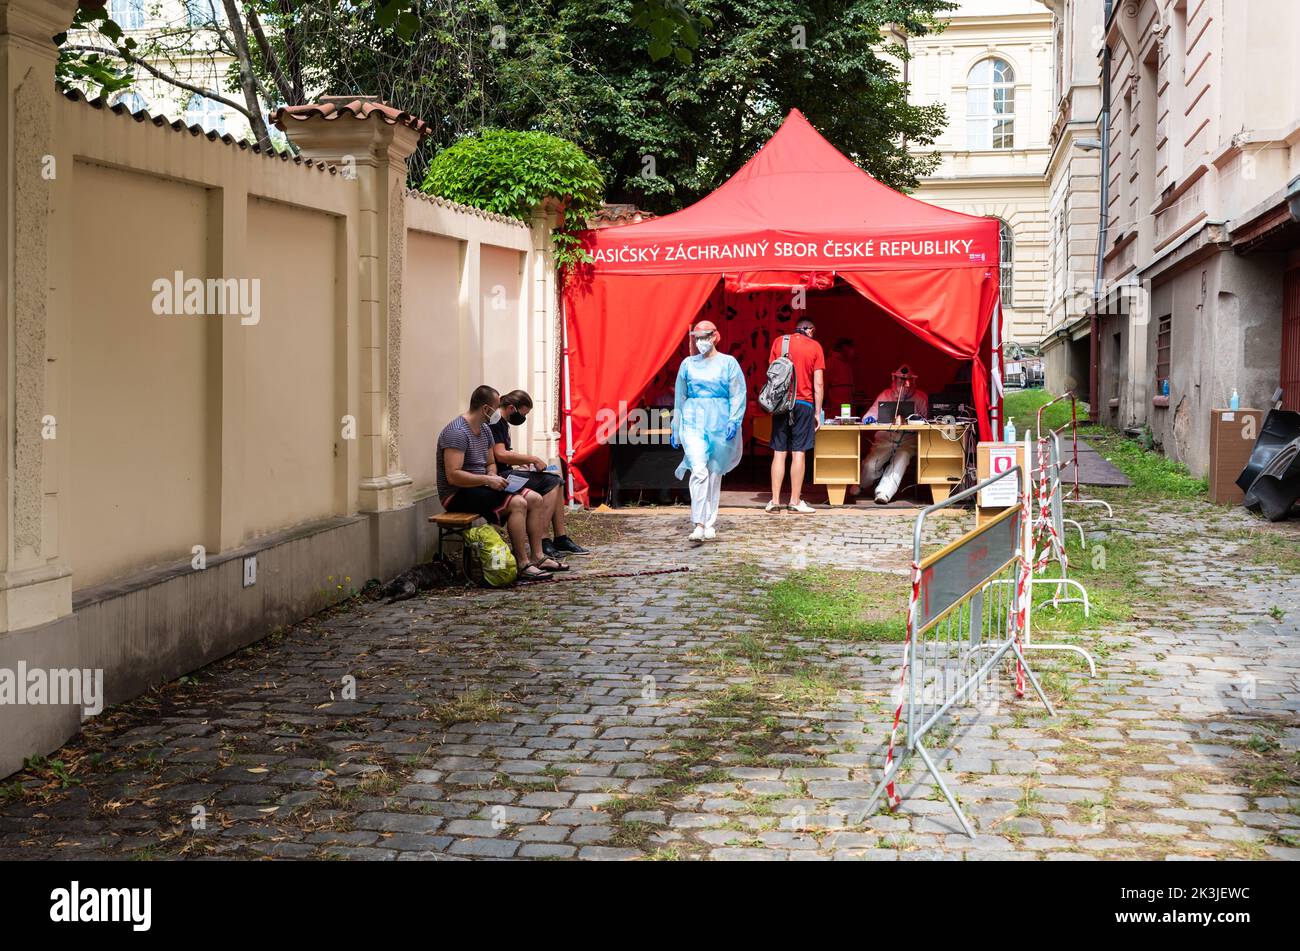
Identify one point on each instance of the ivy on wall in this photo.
(511, 173)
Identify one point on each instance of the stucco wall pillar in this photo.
(370, 142)
(35, 580)
(544, 333)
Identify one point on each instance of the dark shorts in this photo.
(480, 500)
(539, 482)
(793, 431)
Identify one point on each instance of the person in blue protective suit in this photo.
(708, 409)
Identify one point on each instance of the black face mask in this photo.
(516, 418)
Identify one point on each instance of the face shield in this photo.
(904, 380)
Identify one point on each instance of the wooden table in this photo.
(940, 461)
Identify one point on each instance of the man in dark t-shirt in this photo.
(515, 407)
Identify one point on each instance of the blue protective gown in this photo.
(710, 394)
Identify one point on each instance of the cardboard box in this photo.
(1232, 437)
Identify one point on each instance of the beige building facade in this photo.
(992, 69)
(1074, 194)
(226, 372)
(1200, 268)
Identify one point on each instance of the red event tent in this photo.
(796, 214)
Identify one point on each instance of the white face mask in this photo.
(495, 417)
(704, 346)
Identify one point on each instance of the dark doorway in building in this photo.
(1291, 340)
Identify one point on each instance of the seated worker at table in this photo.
(794, 432)
(515, 407)
(839, 376)
(892, 451)
(468, 482)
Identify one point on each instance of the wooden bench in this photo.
(453, 524)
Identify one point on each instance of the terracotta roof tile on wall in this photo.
(611, 215)
(177, 126)
(332, 108)
(467, 209)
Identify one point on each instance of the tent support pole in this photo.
(568, 399)
(995, 374)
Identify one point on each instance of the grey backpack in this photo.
(777, 395)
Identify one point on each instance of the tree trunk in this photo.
(291, 58)
(246, 80)
(272, 63)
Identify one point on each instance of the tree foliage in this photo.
(84, 68)
(667, 132)
(669, 97)
(511, 173)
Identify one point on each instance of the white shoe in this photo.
(772, 506)
(698, 534)
(710, 533)
(882, 499)
(803, 508)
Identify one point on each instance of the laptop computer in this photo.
(891, 410)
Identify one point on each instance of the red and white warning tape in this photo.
(902, 680)
(1022, 588)
(1045, 524)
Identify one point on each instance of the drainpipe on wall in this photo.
(1094, 341)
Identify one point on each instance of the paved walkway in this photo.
(658, 716)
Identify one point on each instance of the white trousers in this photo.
(890, 454)
(706, 489)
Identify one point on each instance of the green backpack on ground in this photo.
(491, 562)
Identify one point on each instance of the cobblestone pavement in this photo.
(659, 716)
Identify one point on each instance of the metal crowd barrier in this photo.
(1076, 497)
(969, 600)
(1050, 524)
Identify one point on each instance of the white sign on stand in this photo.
(1000, 494)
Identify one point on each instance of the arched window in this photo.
(1006, 254)
(991, 105)
(206, 113)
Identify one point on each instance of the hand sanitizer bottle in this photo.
(1234, 404)
(1010, 433)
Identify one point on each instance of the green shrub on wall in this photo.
(511, 173)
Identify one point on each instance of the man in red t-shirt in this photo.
(793, 433)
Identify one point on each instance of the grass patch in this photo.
(1110, 569)
(1154, 475)
(1273, 547)
(821, 603)
(473, 706)
(1022, 409)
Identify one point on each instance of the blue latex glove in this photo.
(731, 431)
(868, 420)
(672, 441)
